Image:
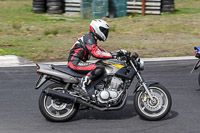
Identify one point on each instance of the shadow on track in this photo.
(172, 114)
(126, 113)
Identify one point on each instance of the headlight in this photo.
(141, 64)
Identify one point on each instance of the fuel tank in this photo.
(112, 66)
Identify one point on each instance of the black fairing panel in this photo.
(67, 70)
(126, 73)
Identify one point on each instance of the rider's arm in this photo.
(102, 50)
(97, 52)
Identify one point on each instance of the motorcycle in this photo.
(60, 101)
(196, 66)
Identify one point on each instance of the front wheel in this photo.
(154, 109)
(199, 79)
(54, 109)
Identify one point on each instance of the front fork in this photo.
(141, 81)
(143, 86)
(196, 66)
(147, 90)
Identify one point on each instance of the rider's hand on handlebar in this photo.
(118, 53)
(122, 52)
(114, 55)
(135, 55)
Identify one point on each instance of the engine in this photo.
(109, 90)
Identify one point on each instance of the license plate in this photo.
(42, 79)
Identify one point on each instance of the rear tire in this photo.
(38, 10)
(54, 11)
(54, 0)
(54, 4)
(153, 110)
(54, 109)
(53, 8)
(39, 1)
(39, 6)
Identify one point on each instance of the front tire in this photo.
(199, 79)
(156, 109)
(54, 109)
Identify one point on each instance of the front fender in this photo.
(139, 87)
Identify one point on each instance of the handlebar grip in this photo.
(114, 54)
(135, 55)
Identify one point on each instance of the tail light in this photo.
(38, 70)
(197, 54)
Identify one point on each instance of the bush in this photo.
(16, 26)
(51, 31)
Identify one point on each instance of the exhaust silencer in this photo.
(59, 95)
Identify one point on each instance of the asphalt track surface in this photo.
(19, 112)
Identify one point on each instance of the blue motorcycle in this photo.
(197, 65)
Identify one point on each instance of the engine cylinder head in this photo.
(115, 83)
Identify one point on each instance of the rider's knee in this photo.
(99, 71)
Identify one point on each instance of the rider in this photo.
(86, 46)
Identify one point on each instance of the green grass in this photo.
(43, 37)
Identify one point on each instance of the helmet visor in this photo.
(104, 31)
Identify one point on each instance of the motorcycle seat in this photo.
(67, 70)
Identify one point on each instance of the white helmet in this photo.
(100, 29)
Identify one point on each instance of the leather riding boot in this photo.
(85, 81)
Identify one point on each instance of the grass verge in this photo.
(43, 37)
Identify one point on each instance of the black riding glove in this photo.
(122, 52)
(114, 55)
(135, 55)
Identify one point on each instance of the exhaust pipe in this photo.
(68, 97)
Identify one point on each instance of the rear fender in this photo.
(139, 87)
(41, 81)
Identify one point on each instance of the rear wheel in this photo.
(154, 109)
(54, 109)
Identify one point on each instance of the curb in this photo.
(15, 61)
(12, 60)
(170, 58)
